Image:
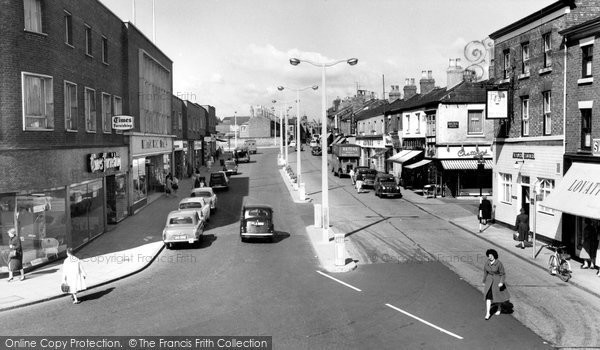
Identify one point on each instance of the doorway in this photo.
(525, 200)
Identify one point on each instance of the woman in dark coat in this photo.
(522, 227)
(485, 212)
(493, 280)
(15, 262)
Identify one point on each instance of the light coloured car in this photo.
(313, 143)
(183, 226)
(201, 205)
(230, 167)
(292, 143)
(208, 194)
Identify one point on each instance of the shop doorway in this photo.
(525, 201)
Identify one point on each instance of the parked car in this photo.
(367, 176)
(292, 143)
(208, 194)
(242, 155)
(313, 143)
(256, 221)
(230, 167)
(316, 151)
(251, 145)
(385, 185)
(183, 226)
(218, 180)
(199, 204)
(356, 170)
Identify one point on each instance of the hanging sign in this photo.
(122, 122)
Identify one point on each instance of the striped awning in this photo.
(379, 153)
(465, 164)
(403, 156)
(418, 164)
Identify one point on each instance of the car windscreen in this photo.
(217, 176)
(187, 205)
(202, 194)
(256, 213)
(181, 220)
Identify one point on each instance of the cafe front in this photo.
(464, 170)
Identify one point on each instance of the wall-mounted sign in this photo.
(596, 147)
(100, 162)
(452, 125)
(122, 122)
(497, 104)
(521, 155)
(463, 152)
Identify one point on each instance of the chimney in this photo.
(454, 73)
(410, 89)
(395, 93)
(336, 104)
(427, 82)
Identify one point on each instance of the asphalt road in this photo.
(226, 287)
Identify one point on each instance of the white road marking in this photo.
(422, 320)
(338, 281)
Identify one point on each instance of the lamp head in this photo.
(352, 61)
(294, 61)
(280, 88)
(315, 87)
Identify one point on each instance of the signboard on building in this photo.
(464, 152)
(497, 104)
(197, 145)
(100, 162)
(452, 125)
(596, 147)
(122, 122)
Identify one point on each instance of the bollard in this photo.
(340, 249)
(295, 185)
(302, 192)
(318, 219)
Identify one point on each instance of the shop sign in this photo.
(472, 153)
(197, 145)
(100, 162)
(596, 147)
(452, 125)
(469, 152)
(178, 145)
(585, 187)
(154, 143)
(122, 122)
(497, 104)
(521, 155)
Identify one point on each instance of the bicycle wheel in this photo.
(552, 265)
(563, 270)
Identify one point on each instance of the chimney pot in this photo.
(412, 81)
(451, 64)
(423, 74)
(458, 62)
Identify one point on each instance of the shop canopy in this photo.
(418, 164)
(379, 152)
(403, 156)
(464, 164)
(578, 193)
(339, 139)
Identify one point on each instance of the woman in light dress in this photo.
(73, 275)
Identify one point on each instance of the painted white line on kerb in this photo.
(422, 320)
(338, 281)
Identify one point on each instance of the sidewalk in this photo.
(463, 214)
(125, 249)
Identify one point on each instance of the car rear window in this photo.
(190, 205)
(216, 176)
(185, 220)
(202, 194)
(256, 213)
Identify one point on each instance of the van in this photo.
(251, 146)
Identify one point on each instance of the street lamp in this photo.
(281, 159)
(324, 173)
(235, 128)
(298, 146)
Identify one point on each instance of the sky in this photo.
(233, 54)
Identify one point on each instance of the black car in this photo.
(316, 151)
(366, 175)
(218, 180)
(385, 185)
(256, 221)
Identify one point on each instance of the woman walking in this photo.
(73, 275)
(493, 280)
(522, 227)
(15, 262)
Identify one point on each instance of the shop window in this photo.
(586, 129)
(38, 102)
(547, 102)
(138, 173)
(505, 187)
(71, 110)
(547, 50)
(546, 187)
(33, 15)
(525, 116)
(475, 123)
(87, 211)
(116, 198)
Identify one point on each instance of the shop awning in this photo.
(418, 164)
(403, 156)
(379, 153)
(465, 164)
(578, 192)
(339, 139)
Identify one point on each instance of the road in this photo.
(226, 287)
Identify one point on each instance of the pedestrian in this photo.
(15, 255)
(359, 183)
(174, 185)
(587, 245)
(196, 178)
(168, 185)
(352, 175)
(494, 283)
(522, 228)
(485, 212)
(73, 275)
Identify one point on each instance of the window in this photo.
(88, 40)
(475, 123)
(506, 55)
(90, 110)
(106, 113)
(546, 187)
(117, 109)
(547, 97)
(525, 55)
(505, 187)
(418, 123)
(525, 116)
(68, 28)
(70, 106)
(547, 50)
(38, 102)
(407, 116)
(586, 60)
(104, 50)
(33, 15)
(586, 129)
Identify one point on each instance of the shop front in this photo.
(578, 198)
(198, 156)
(464, 170)
(374, 151)
(180, 164)
(151, 162)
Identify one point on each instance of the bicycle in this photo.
(558, 263)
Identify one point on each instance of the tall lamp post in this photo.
(324, 173)
(281, 159)
(298, 146)
(235, 128)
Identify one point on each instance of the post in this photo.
(324, 173)
(281, 134)
(298, 146)
(534, 202)
(286, 145)
(235, 128)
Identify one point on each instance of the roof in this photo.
(581, 28)
(233, 121)
(372, 110)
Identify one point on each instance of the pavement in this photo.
(127, 248)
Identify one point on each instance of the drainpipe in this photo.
(564, 101)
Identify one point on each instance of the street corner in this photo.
(350, 265)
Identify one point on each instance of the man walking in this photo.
(485, 212)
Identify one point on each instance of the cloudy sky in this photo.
(232, 54)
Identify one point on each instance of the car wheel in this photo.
(243, 239)
(272, 239)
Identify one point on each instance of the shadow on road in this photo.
(96, 295)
